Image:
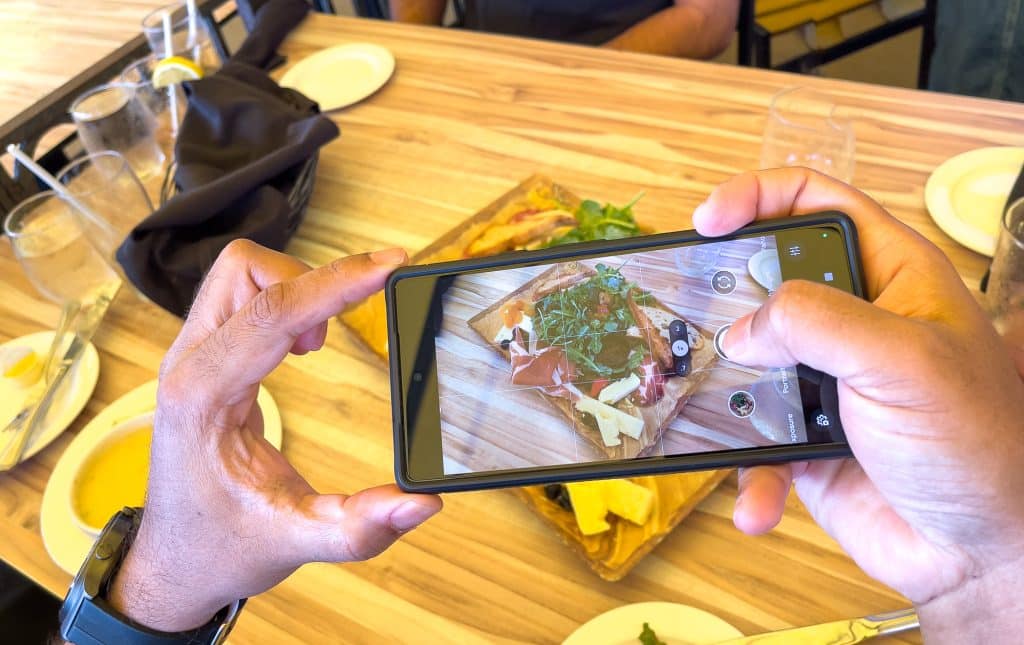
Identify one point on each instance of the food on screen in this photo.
(605, 352)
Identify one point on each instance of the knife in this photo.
(840, 632)
(91, 321)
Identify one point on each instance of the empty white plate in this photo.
(966, 195)
(764, 269)
(673, 623)
(341, 76)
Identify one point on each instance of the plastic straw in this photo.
(60, 189)
(168, 33)
(193, 31)
(168, 52)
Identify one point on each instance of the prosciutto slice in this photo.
(547, 368)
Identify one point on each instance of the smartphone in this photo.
(603, 359)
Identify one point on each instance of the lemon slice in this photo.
(23, 366)
(174, 70)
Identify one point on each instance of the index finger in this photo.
(257, 337)
(886, 243)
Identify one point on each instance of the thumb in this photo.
(819, 326)
(340, 528)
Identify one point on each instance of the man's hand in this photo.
(929, 400)
(226, 515)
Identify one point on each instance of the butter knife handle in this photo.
(16, 447)
(894, 622)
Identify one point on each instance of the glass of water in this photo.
(804, 129)
(139, 74)
(1005, 292)
(116, 200)
(52, 247)
(188, 40)
(113, 117)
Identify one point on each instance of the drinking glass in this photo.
(697, 259)
(804, 129)
(104, 184)
(52, 247)
(196, 46)
(139, 75)
(1005, 292)
(113, 117)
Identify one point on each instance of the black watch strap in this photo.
(96, 621)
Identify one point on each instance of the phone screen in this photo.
(611, 357)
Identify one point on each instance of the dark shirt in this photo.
(979, 46)
(593, 22)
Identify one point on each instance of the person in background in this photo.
(686, 28)
(929, 398)
(979, 45)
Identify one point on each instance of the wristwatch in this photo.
(86, 618)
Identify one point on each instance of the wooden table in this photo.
(464, 119)
(39, 35)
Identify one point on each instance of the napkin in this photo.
(238, 150)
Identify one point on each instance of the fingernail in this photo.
(389, 257)
(410, 515)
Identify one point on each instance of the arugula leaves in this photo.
(598, 222)
(590, 321)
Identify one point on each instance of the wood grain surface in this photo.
(466, 117)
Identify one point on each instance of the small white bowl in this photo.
(115, 434)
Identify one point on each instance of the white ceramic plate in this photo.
(673, 623)
(966, 195)
(341, 76)
(68, 544)
(764, 269)
(70, 401)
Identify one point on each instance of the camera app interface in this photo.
(609, 358)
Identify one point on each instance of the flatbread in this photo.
(656, 417)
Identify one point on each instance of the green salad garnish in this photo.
(648, 637)
(598, 222)
(590, 321)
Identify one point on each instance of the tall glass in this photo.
(1005, 293)
(52, 247)
(139, 75)
(105, 185)
(805, 129)
(194, 44)
(113, 117)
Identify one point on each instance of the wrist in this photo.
(150, 593)
(983, 609)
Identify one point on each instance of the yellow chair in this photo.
(819, 22)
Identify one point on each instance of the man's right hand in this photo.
(930, 401)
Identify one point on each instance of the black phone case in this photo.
(606, 470)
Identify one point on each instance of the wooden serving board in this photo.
(612, 554)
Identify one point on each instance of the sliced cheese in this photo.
(628, 500)
(610, 421)
(615, 392)
(589, 506)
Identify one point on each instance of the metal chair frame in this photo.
(756, 46)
